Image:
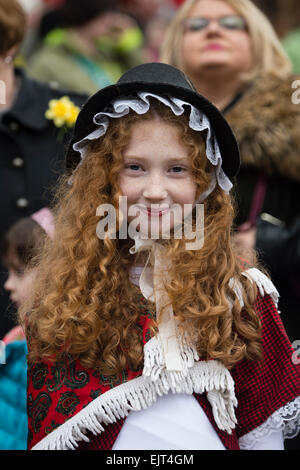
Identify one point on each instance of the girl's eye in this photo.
(178, 169)
(133, 167)
(20, 272)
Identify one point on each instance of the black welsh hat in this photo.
(161, 79)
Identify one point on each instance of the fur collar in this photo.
(267, 126)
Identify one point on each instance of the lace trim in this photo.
(140, 103)
(286, 419)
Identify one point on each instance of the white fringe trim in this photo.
(214, 379)
(237, 288)
(154, 360)
(264, 284)
(141, 393)
(286, 419)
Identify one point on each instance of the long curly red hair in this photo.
(83, 301)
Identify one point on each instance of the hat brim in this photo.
(96, 103)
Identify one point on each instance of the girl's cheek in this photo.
(130, 187)
(124, 185)
(25, 284)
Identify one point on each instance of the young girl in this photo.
(145, 329)
(21, 244)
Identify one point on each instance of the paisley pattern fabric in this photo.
(58, 391)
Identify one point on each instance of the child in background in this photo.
(21, 245)
(137, 339)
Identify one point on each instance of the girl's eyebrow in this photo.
(14, 267)
(169, 160)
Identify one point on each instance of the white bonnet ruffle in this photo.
(140, 104)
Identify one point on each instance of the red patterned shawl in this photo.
(57, 392)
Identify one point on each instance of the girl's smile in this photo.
(153, 212)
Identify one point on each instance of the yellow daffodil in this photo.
(62, 112)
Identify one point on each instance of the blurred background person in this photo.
(31, 145)
(154, 31)
(142, 10)
(285, 17)
(291, 44)
(20, 246)
(34, 10)
(283, 14)
(232, 54)
(153, 17)
(85, 47)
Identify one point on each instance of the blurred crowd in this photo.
(83, 49)
(69, 48)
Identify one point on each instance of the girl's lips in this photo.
(154, 212)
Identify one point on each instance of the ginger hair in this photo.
(83, 302)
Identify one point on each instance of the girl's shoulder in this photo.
(268, 391)
(265, 287)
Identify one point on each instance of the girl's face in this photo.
(157, 176)
(214, 48)
(19, 283)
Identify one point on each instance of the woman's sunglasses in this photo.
(236, 23)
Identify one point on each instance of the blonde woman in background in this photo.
(222, 58)
(233, 56)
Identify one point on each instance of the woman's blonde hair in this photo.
(268, 54)
(83, 302)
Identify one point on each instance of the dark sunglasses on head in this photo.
(236, 23)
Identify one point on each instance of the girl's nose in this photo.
(155, 190)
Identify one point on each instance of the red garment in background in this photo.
(178, 2)
(54, 3)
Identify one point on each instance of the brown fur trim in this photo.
(267, 126)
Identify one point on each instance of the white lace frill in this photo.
(286, 419)
(140, 104)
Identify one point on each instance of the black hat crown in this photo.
(161, 79)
